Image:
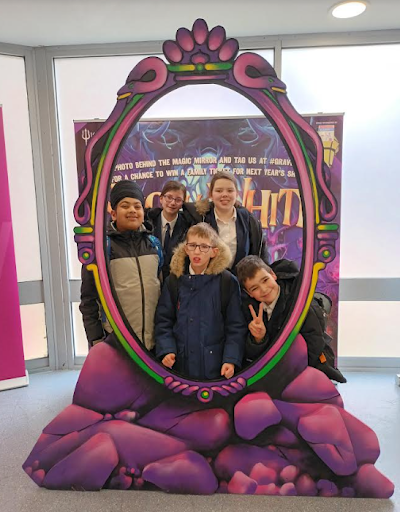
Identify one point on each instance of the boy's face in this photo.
(263, 286)
(172, 201)
(128, 214)
(199, 259)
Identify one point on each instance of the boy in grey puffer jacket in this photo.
(134, 263)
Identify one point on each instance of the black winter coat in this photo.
(194, 329)
(183, 223)
(312, 330)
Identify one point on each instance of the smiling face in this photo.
(128, 214)
(263, 286)
(224, 195)
(171, 203)
(199, 259)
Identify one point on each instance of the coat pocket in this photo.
(213, 361)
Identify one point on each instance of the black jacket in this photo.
(195, 328)
(183, 223)
(249, 233)
(313, 327)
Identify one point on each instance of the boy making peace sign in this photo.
(270, 292)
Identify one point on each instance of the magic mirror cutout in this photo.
(278, 427)
(251, 76)
(192, 151)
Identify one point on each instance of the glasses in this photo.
(203, 247)
(171, 199)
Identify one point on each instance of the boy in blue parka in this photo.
(194, 335)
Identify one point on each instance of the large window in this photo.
(346, 79)
(362, 82)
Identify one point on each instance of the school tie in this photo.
(167, 237)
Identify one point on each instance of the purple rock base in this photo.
(289, 435)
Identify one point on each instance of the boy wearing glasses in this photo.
(169, 223)
(195, 335)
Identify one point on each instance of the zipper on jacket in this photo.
(143, 299)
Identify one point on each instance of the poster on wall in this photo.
(12, 364)
(192, 150)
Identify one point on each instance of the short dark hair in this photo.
(173, 185)
(248, 267)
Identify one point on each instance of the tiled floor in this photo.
(373, 398)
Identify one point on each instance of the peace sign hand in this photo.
(256, 326)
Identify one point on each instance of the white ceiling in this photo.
(60, 22)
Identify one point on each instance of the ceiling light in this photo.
(348, 9)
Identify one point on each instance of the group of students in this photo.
(221, 305)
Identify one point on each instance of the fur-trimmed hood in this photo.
(203, 206)
(215, 267)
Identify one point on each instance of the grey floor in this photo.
(373, 398)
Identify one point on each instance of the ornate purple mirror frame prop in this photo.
(207, 57)
(277, 428)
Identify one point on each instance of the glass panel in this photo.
(89, 100)
(377, 337)
(341, 80)
(34, 333)
(13, 97)
(80, 341)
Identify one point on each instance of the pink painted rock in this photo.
(122, 482)
(291, 413)
(337, 400)
(138, 446)
(254, 413)
(348, 492)
(295, 360)
(289, 474)
(241, 457)
(201, 429)
(204, 430)
(285, 437)
(242, 484)
(43, 441)
(186, 473)
(72, 418)
(288, 489)
(110, 382)
(223, 487)
(306, 486)
(87, 468)
(167, 414)
(310, 386)
(127, 415)
(269, 490)
(364, 440)
(370, 483)
(327, 489)
(38, 477)
(58, 450)
(263, 475)
(326, 433)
